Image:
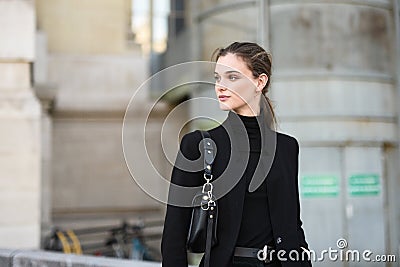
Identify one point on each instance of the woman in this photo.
(259, 217)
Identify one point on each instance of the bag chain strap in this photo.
(208, 187)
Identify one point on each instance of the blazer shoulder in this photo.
(191, 137)
(194, 137)
(190, 141)
(288, 140)
(189, 145)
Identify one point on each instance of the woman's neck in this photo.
(248, 113)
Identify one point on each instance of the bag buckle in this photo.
(207, 187)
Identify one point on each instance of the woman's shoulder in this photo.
(196, 136)
(191, 140)
(191, 136)
(287, 140)
(284, 137)
(189, 144)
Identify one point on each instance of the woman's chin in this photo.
(224, 107)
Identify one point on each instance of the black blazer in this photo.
(282, 189)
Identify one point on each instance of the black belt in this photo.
(254, 253)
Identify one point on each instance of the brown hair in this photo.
(257, 60)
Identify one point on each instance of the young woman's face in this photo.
(235, 86)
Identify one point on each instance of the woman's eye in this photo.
(216, 78)
(233, 77)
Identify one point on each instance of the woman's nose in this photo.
(220, 87)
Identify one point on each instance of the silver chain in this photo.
(210, 197)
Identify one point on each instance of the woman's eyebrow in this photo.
(229, 72)
(232, 71)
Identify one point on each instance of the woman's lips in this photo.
(223, 97)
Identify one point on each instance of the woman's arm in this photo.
(302, 238)
(177, 219)
(300, 231)
(284, 202)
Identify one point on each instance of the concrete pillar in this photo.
(334, 85)
(46, 93)
(20, 133)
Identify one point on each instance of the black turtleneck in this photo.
(255, 230)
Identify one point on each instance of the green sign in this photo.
(364, 185)
(319, 186)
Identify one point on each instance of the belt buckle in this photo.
(262, 254)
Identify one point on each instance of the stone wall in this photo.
(20, 128)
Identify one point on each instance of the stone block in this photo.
(105, 83)
(19, 207)
(40, 66)
(17, 32)
(14, 76)
(20, 108)
(84, 172)
(311, 37)
(20, 172)
(19, 134)
(20, 236)
(331, 97)
(98, 28)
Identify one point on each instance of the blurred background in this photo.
(68, 69)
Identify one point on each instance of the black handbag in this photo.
(203, 227)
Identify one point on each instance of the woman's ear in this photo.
(262, 81)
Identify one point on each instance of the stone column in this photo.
(20, 134)
(334, 85)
